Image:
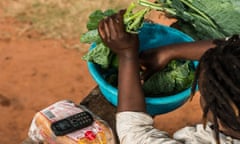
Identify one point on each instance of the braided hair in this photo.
(219, 83)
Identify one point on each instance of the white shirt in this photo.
(137, 128)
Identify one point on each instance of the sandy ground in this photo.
(35, 73)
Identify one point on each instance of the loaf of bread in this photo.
(40, 130)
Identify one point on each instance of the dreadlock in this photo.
(218, 74)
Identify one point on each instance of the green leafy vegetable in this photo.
(90, 37)
(202, 19)
(133, 19)
(96, 16)
(177, 76)
(100, 55)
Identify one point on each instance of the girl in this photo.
(217, 76)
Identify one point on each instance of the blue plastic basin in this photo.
(150, 36)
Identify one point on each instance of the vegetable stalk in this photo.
(156, 6)
(133, 20)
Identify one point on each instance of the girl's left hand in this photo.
(113, 34)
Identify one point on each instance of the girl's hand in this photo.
(157, 58)
(154, 60)
(113, 34)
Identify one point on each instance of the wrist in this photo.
(128, 55)
(172, 54)
(167, 53)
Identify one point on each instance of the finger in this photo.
(143, 68)
(101, 30)
(144, 64)
(113, 28)
(120, 18)
(106, 28)
(119, 28)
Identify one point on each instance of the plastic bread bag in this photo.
(40, 130)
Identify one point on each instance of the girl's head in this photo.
(218, 79)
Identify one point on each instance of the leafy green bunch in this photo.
(101, 54)
(176, 77)
(201, 19)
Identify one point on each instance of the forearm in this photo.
(130, 93)
(125, 45)
(191, 50)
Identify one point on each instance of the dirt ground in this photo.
(35, 73)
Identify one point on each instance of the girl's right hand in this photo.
(154, 60)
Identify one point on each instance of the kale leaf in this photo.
(100, 54)
(202, 19)
(133, 19)
(177, 76)
(96, 16)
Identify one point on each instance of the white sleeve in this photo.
(137, 128)
(195, 134)
(198, 135)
